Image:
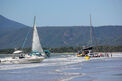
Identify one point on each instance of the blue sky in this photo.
(63, 12)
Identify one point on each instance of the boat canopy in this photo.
(18, 51)
(88, 48)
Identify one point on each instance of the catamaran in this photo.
(37, 54)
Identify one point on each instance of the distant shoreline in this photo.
(76, 53)
(98, 52)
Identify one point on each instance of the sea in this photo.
(65, 67)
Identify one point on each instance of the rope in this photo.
(25, 40)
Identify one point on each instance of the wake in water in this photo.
(60, 60)
(56, 68)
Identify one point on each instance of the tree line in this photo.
(69, 49)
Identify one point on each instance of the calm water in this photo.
(64, 68)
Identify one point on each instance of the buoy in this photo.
(87, 57)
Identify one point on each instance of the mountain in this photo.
(8, 24)
(57, 36)
(79, 35)
(62, 36)
(8, 30)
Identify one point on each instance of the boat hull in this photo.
(23, 60)
(31, 60)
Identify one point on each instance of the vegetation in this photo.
(69, 49)
(6, 51)
(96, 49)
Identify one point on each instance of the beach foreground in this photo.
(65, 67)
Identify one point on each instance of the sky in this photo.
(63, 12)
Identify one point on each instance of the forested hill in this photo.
(12, 35)
(62, 36)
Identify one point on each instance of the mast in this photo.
(25, 40)
(34, 21)
(91, 32)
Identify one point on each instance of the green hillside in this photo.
(62, 36)
(12, 35)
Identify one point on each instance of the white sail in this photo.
(36, 46)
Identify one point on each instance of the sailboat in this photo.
(37, 54)
(87, 50)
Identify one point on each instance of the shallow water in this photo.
(108, 69)
(65, 67)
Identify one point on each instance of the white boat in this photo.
(36, 56)
(17, 60)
